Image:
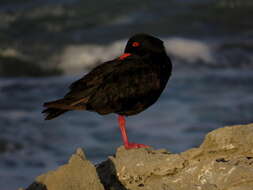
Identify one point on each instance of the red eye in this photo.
(136, 44)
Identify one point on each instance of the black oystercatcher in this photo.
(126, 85)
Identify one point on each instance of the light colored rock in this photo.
(224, 161)
(78, 174)
(237, 139)
(136, 167)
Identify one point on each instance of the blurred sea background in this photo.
(45, 45)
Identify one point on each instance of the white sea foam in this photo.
(189, 50)
(76, 58)
(79, 58)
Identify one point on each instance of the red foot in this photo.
(135, 145)
(128, 145)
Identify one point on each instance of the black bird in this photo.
(126, 85)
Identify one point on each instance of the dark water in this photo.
(195, 102)
(64, 36)
(211, 46)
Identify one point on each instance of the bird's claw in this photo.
(135, 145)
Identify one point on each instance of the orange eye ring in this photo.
(136, 44)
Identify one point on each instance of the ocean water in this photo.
(210, 87)
(195, 102)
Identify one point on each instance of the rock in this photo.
(79, 173)
(139, 168)
(224, 161)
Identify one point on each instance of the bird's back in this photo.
(133, 86)
(126, 85)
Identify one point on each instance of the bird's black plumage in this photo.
(126, 85)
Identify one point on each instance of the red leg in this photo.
(128, 145)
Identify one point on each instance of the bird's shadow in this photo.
(108, 177)
(36, 186)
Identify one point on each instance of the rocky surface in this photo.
(79, 173)
(224, 161)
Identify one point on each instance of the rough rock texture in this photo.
(223, 162)
(79, 173)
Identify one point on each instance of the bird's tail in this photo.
(51, 113)
(58, 107)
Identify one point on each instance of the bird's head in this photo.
(143, 44)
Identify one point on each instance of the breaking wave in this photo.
(74, 59)
(184, 52)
